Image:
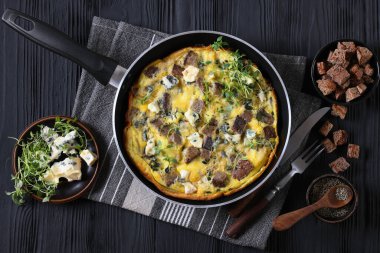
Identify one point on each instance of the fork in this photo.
(299, 165)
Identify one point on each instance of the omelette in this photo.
(201, 123)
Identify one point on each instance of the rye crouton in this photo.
(368, 79)
(363, 54)
(352, 93)
(357, 71)
(326, 86)
(338, 111)
(329, 145)
(368, 70)
(339, 165)
(361, 88)
(348, 46)
(339, 93)
(321, 68)
(353, 151)
(326, 128)
(339, 57)
(324, 77)
(340, 137)
(338, 74)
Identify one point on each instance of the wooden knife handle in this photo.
(249, 215)
(286, 221)
(237, 208)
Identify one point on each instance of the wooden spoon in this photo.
(337, 196)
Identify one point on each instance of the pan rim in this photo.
(263, 180)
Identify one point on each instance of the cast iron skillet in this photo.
(107, 71)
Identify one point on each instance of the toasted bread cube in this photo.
(338, 111)
(352, 93)
(368, 79)
(329, 145)
(321, 68)
(339, 93)
(326, 128)
(340, 137)
(368, 70)
(357, 71)
(353, 151)
(361, 88)
(338, 74)
(326, 86)
(348, 46)
(363, 54)
(339, 57)
(339, 165)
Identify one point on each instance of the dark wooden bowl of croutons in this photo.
(345, 72)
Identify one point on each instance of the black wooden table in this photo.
(37, 83)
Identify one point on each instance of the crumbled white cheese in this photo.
(229, 150)
(190, 74)
(149, 148)
(184, 174)
(250, 134)
(55, 153)
(205, 180)
(45, 131)
(189, 188)
(70, 168)
(153, 107)
(247, 79)
(191, 116)
(48, 134)
(71, 136)
(50, 177)
(195, 140)
(88, 156)
(235, 138)
(59, 141)
(66, 143)
(169, 81)
(261, 96)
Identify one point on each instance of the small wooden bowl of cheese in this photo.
(72, 169)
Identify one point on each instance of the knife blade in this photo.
(294, 143)
(301, 132)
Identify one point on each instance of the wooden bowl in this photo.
(322, 55)
(66, 191)
(351, 206)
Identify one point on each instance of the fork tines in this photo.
(312, 152)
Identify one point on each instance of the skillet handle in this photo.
(99, 66)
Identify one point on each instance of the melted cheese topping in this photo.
(163, 161)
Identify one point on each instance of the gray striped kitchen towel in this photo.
(116, 186)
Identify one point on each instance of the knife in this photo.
(294, 143)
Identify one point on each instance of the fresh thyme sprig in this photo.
(32, 164)
(242, 77)
(260, 142)
(170, 160)
(149, 92)
(219, 43)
